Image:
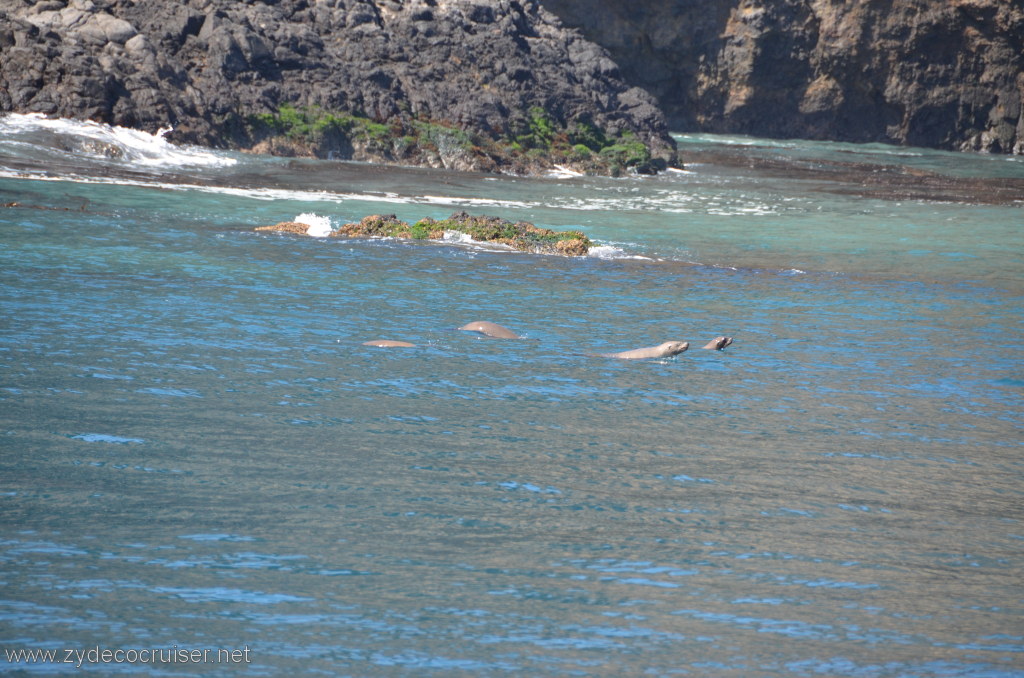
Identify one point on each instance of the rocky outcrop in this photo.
(938, 74)
(230, 73)
(521, 235)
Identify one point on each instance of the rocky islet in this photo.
(521, 235)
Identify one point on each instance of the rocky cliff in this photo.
(946, 74)
(464, 84)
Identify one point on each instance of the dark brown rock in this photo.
(936, 74)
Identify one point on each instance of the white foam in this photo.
(111, 142)
(613, 252)
(734, 140)
(562, 172)
(476, 202)
(669, 201)
(457, 236)
(605, 252)
(319, 227)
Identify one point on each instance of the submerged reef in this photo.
(520, 235)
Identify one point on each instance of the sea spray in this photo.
(319, 227)
(107, 142)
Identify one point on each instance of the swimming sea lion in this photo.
(667, 350)
(718, 343)
(490, 329)
(388, 343)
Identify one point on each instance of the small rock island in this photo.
(522, 236)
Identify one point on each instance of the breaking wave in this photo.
(31, 133)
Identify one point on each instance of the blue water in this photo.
(197, 451)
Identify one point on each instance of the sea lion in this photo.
(389, 343)
(490, 329)
(718, 343)
(669, 349)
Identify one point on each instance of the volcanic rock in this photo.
(944, 74)
(214, 70)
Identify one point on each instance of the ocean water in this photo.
(198, 452)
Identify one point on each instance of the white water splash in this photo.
(319, 227)
(467, 202)
(563, 172)
(458, 237)
(613, 252)
(107, 142)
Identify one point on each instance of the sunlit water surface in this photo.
(198, 451)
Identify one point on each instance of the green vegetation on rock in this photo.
(538, 143)
(586, 135)
(542, 130)
(582, 145)
(312, 125)
(627, 151)
(520, 235)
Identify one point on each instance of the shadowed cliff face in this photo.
(207, 67)
(938, 74)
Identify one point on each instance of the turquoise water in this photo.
(198, 452)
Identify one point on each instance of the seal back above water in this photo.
(490, 329)
(389, 343)
(668, 349)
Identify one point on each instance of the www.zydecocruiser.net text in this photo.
(99, 655)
